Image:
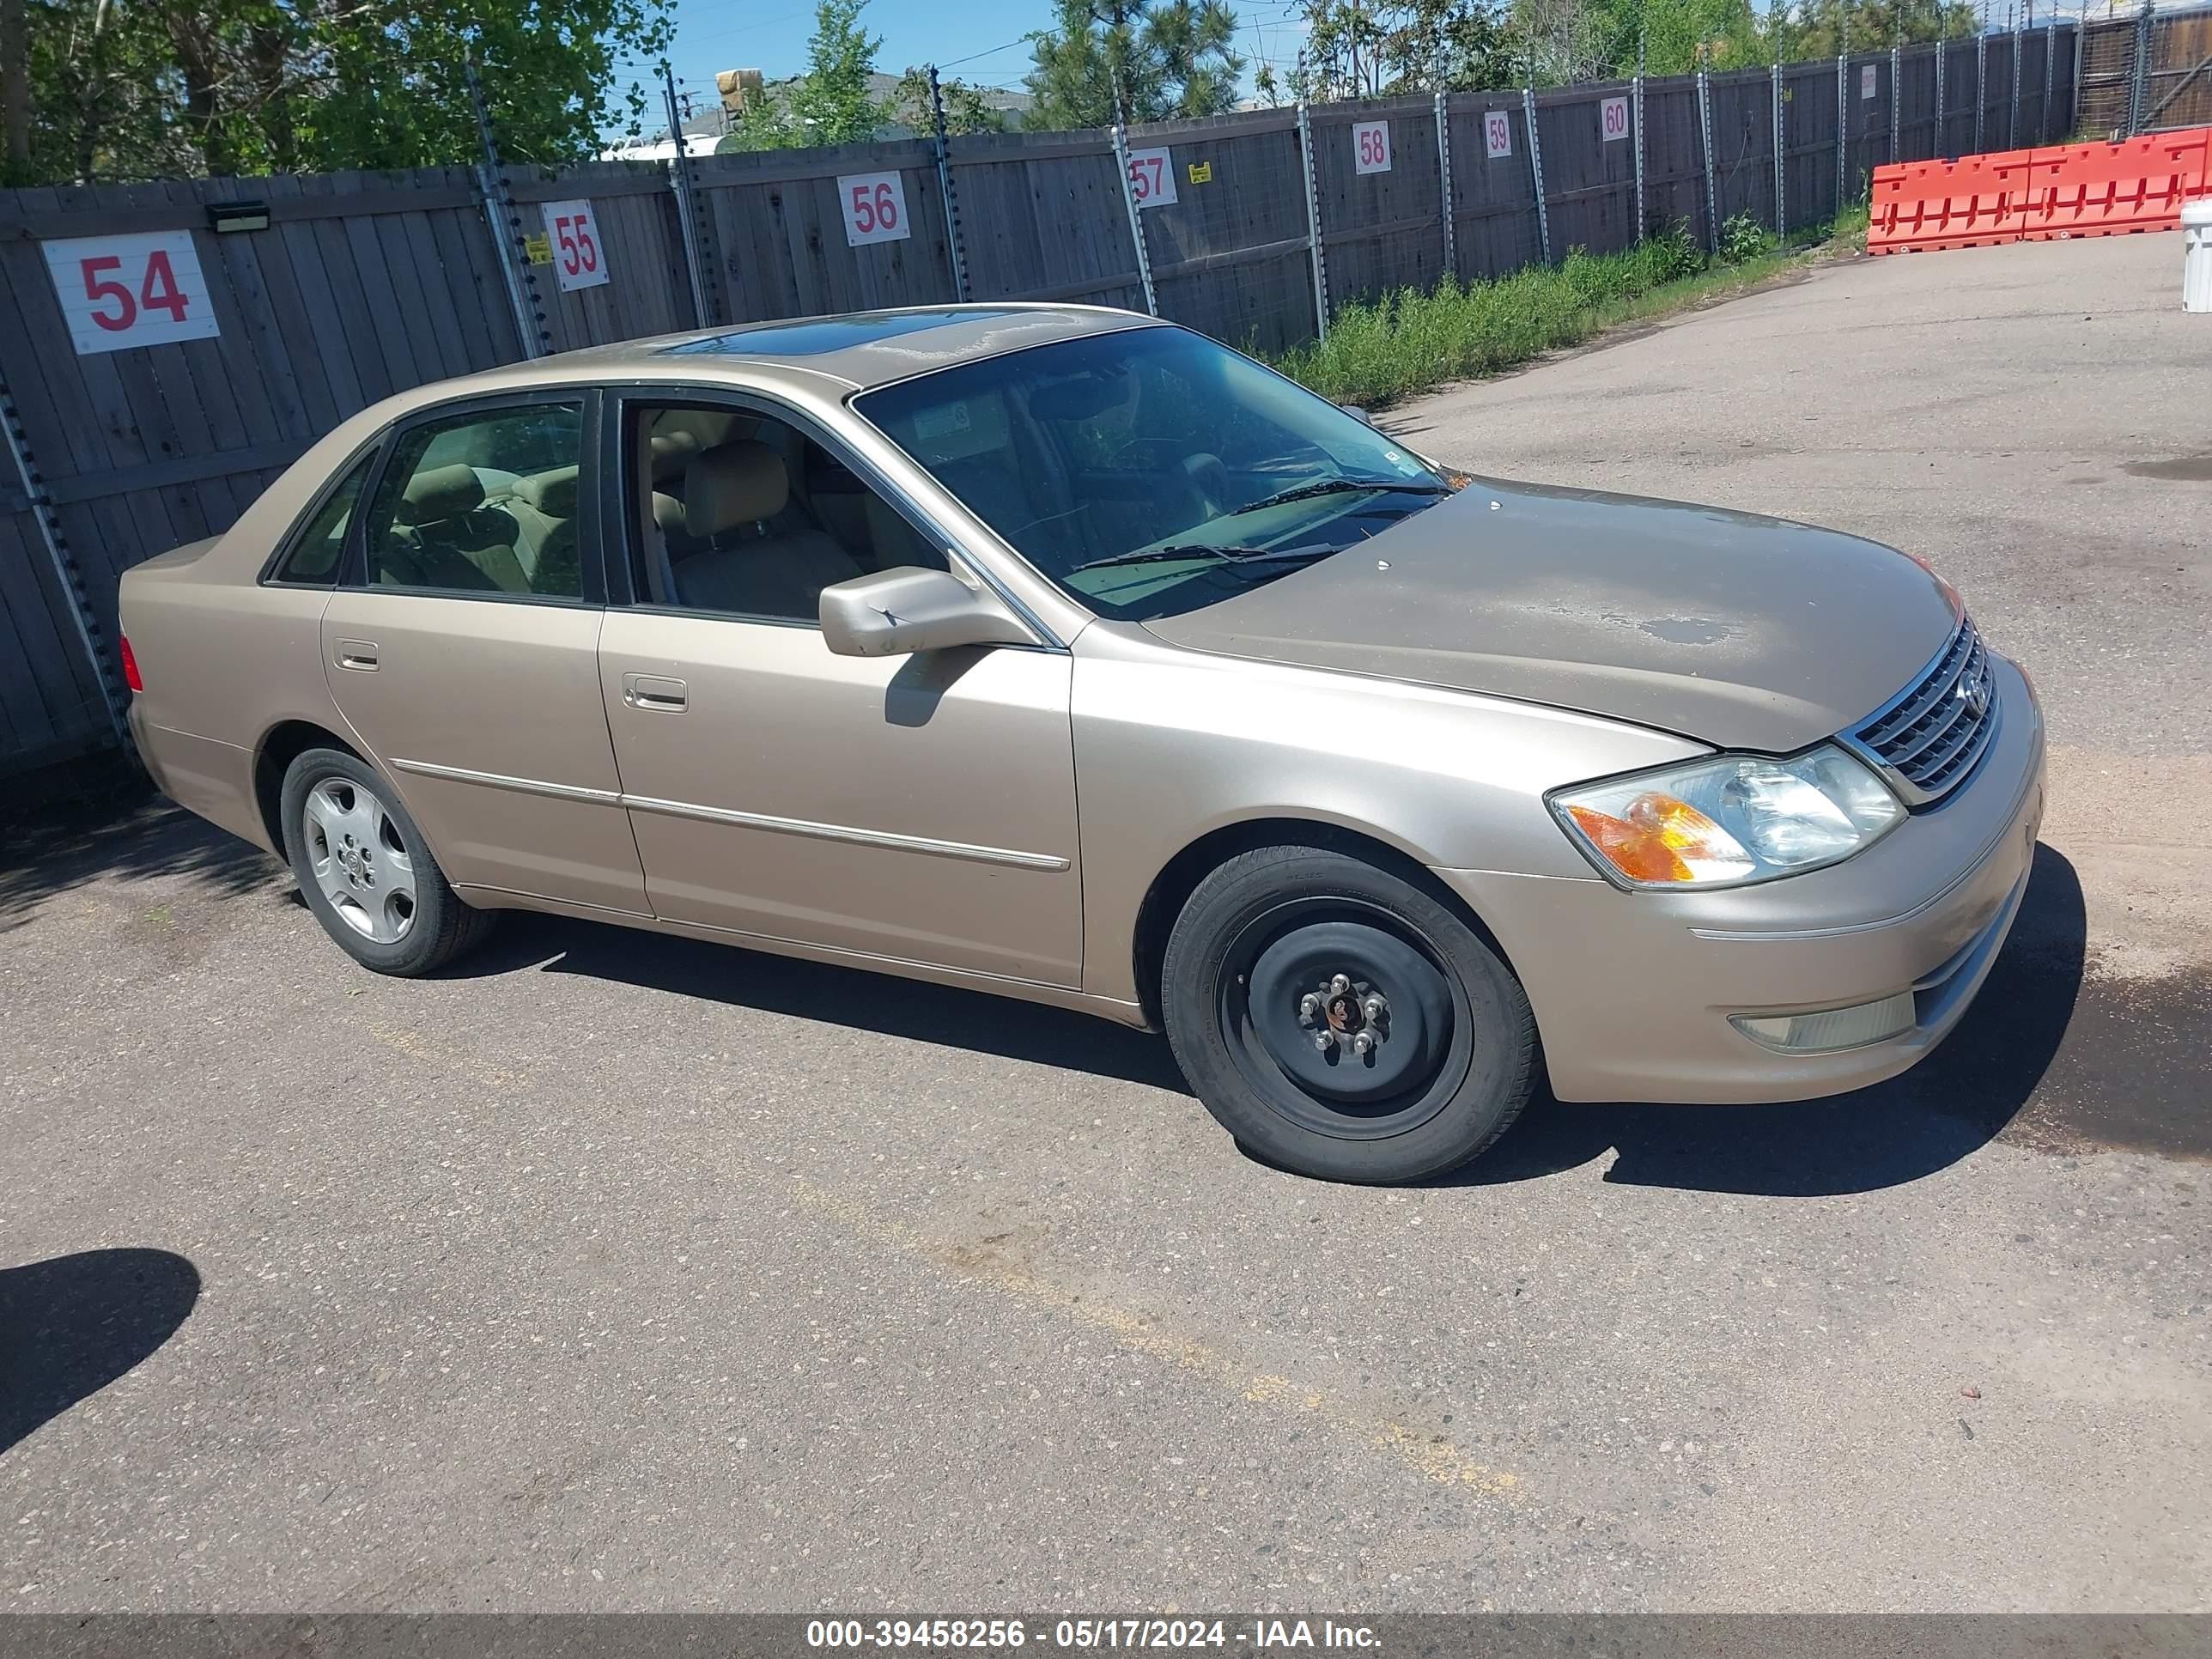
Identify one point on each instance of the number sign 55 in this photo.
(118, 292)
(874, 205)
(579, 257)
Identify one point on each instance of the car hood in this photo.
(1740, 631)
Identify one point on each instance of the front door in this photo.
(919, 808)
(464, 652)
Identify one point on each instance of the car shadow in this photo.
(829, 995)
(1953, 1103)
(71, 1324)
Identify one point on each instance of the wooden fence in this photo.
(1256, 227)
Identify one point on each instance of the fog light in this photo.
(1830, 1028)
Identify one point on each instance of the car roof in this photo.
(858, 350)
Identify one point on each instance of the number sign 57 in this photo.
(118, 292)
(1151, 178)
(874, 205)
(579, 257)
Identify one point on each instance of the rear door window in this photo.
(483, 503)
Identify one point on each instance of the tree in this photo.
(1108, 60)
(137, 88)
(965, 108)
(829, 104)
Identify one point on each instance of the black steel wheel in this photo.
(1341, 1020)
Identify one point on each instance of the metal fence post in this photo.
(2050, 49)
(112, 694)
(1444, 176)
(506, 221)
(1313, 224)
(1706, 139)
(1642, 218)
(1842, 127)
(2142, 68)
(953, 250)
(1896, 99)
(1136, 218)
(1980, 85)
(1781, 188)
(1937, 150)
(687, 212)
(2012, 127)
(1537, 171)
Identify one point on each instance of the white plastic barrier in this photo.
(2196, 255)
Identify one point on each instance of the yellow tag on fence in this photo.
(1202, 173)
(539, 248)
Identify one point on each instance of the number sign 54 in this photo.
(874, 205)
(579, 257)
(118, 292)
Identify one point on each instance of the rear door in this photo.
(463, 649)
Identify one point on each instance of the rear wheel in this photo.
(366, 873)
(1340, 1021)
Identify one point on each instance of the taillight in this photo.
(129, 665)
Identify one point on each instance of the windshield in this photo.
(1151, 470)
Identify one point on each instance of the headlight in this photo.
(1725, 822)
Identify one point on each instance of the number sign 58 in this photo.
(874, 204)
(579, 257)
(1371, 146)
(118, 292)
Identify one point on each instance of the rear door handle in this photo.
(357, 654)
(656, 692)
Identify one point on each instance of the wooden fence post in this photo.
(1537, 171)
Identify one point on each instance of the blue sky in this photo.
(771, 35)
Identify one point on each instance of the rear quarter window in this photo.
(319, 547)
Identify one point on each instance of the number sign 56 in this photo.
(874, 204)
(122, 291)
(579, 257)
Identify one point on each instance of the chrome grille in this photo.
(1929, 738)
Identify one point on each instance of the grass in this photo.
(1413, 341)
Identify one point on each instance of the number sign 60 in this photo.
(874, 205)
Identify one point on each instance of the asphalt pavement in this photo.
(616, 1271)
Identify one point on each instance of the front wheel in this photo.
(1341, 1022)
(366, 870)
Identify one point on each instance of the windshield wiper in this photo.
(1340, 486)
(1182, 550)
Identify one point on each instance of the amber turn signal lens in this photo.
(1660, 838)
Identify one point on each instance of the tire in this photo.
(366, 872)
(1248, 985)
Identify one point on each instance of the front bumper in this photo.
(1633, 990)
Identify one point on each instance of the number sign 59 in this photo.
(579, 257)
(1496, 134)
(118, 292)
(1371, 146)
(874, 204)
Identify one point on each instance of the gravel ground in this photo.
(616, 1272)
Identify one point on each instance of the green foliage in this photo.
(830, 103)
(1355, 49)
(966, 109)
(136, 88)
(1743, 237)
(1410, 341)
(1106, 60)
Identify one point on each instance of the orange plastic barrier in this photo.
(2035, 194)
(2116, 189)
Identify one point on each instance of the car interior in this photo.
(468, 520)
(747, 514)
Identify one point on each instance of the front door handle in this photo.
(656, 692)
(357, 654)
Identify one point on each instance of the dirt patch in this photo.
(2182, 469)
(2133, 1072)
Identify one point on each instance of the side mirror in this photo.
(1357, 413)
(896, 612)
